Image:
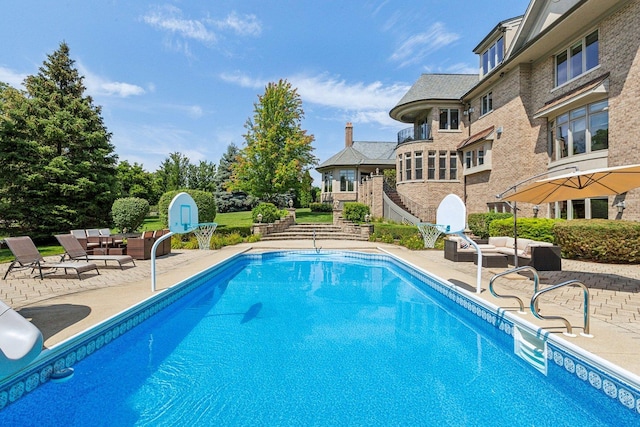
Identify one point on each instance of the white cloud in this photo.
(207, 31)
(415, 48)
(243, 80)
(364, 103)
(247, 25)
(332, 92)
(169, 18)
(99, 86)
(11, 77)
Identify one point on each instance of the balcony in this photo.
(421, 133)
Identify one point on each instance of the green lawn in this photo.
(224, 220)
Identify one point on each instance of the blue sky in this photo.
(184, 75)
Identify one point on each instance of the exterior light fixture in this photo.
(620, 206)
(536, 209)
(291, 203)
(367, 218)
(259, 217)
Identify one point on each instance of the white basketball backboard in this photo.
(452, 213)
(183, 214)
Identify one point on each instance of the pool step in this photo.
(305, 231)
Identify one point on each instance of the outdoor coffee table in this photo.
(492, 260)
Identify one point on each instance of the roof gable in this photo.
(540, 15)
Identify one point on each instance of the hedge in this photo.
(479, 222)
(540, 229)
(600, 240)
(355, 212)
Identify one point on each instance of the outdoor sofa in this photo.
(543, 256)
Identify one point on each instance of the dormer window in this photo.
(493, 56)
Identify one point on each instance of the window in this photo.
(442, 165)
(580, 209)
(468, 159)
(347, 178)
(446, 162)
(449, 118)
(480, 157)
(400, 170)
(582, 130)
(493, 56)
(328, 182)
(431, 165)
(453, 165)
(407, 166)
(577, 59)
(418, 167)
(487, 103)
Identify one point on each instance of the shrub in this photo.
(355, 211)
(386, 238)
(479, 222)
(540, 229)
(204, 201)
(600, 240)
(321, 207)
(128, 213)
(413, 242)
(270, 213)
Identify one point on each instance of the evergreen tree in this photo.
(227, 201)
(278, 151)
(72, 162)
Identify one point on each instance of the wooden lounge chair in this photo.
(73, 249)
(28, 256)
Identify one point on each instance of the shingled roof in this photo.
(439, 86)
(378, 153)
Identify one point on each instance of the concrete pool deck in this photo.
(63, 306)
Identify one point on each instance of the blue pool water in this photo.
(313, 340)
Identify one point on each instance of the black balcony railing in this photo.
(422, 132)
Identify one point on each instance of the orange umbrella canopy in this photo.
(579, 185)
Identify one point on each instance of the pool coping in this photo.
(601, 374)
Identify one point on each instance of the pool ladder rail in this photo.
(314, 242)
(535, 310)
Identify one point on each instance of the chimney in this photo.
(348, 135)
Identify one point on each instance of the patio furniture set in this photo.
(499, 252)
(83, 248)
(102, 242)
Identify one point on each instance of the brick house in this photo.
(557, 87)
(358, 161)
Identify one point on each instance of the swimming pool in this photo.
(313, 339)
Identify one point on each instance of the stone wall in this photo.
(278, 226)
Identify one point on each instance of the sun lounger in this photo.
(73, 249)
(28, 256)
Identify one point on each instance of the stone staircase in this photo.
(305, 231)
(395, 198)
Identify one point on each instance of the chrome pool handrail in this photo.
(585, 315)
(536, 283)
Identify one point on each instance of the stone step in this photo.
(319, 236)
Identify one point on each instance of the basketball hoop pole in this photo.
(153, 258)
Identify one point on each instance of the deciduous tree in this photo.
(277, 152)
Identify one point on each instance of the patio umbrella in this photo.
(579, 185)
